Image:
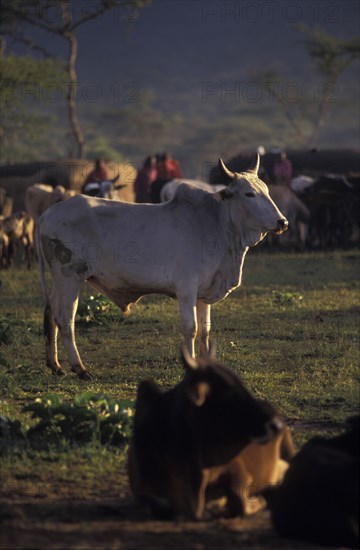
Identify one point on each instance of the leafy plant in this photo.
(286, 298)
(10, 429)
(92, 308)
(6, 333)
(89, 418)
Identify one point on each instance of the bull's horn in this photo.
(254, 168)
(115, 178)
(226, 171)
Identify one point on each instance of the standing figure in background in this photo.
(145, 179)
(167, 170)
(283, 171)
(92, 183)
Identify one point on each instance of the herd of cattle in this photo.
(206, 446)
(322, 210)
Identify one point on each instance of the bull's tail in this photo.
(40, 255)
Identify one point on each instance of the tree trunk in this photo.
(71, 95)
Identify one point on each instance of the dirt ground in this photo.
(57, 520)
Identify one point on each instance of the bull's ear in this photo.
(255, 165)
(188, 361)
(226, 194)
(197, 392)
(224, 171)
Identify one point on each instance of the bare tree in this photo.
(17, 16)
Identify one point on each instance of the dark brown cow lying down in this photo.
(182, 434)
(319, 498)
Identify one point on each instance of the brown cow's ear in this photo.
(188, 361)
(198, 392)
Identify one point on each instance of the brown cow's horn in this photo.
(254, 168)
(226, 170)
(189, 361)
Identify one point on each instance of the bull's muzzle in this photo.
(282, 225)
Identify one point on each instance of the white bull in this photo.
(167, 193)
(191, 248)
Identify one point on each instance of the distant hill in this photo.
(180, 78)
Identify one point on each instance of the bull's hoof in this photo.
(85, 375)
(58, 372)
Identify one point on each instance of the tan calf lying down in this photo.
(255, 468)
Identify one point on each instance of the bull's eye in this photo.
(250, 194)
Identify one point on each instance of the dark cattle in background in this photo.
(318, 500)
(203, 422)
(333, 201)
(310, 162)
(295, 211)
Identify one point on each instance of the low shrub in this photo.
(89, 418)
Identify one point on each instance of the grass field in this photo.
(291, 331)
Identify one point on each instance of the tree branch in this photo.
(21, 36)
(36, 21)
(89, 17)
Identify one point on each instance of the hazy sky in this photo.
(201, 39)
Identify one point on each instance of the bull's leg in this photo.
(29, 250)
(66, 302)
(51, 334)
(204, 323)
(188, 322)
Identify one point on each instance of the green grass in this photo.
(291, 331)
